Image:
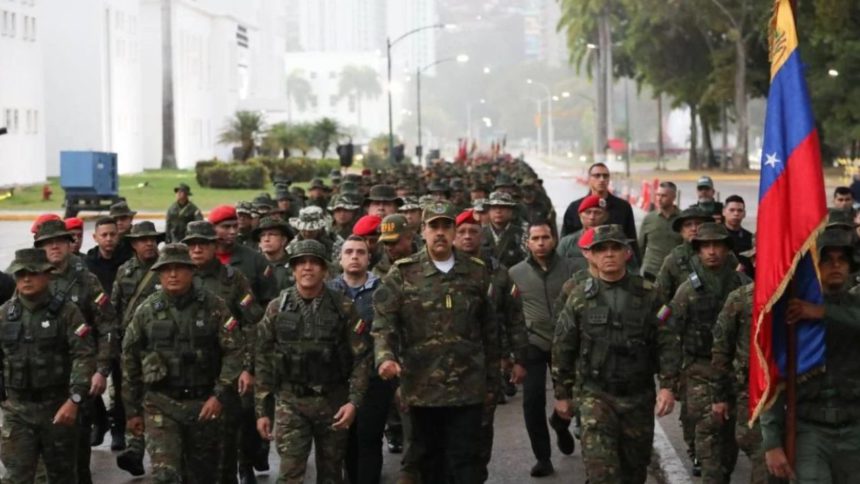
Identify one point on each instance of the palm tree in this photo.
(324, 133)
(243, 129)
(285, 137)
(298, 91)
(361, 82)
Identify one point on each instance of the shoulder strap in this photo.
(138, 291)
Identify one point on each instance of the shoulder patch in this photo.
(664, 313)
(477, 261)
(404, 261)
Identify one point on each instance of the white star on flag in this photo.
(772, 160)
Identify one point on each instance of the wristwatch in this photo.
(76, 398)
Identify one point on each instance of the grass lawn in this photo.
(149, 191)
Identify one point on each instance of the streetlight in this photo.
(549, 114)
(486, 70)
(388, 45)
(462, 59)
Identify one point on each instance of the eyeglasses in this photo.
(600, 175)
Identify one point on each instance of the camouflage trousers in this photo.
(302, 421)
(715, 440)
(750, 442)
(617, 436)
(181, 447)
(27, 434)
(827, 453)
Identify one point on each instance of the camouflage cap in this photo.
(317, 183)
(244, 208)
(480, 205)
(344, 202)
(182, 187)
(271, 223)
(144, 229)
(348, 187)
(392, 227)
(439, 210)
(199, 230)
(298, 193)
(712, 231)
(608, 233)
(173, 254)
(282, 192)
(437, 186)
(120, 209)
(835, 238)
(691, 213)
(30, 260)
(840, 218)
(52, 229)
(314, 248)
(501, 199)
(310, 218)
(409, 204)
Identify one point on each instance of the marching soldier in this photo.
(180, 213)
(182, 353)
(48, 356)
(313, 359)
(273, 235)
(608, 345)
(504, 236)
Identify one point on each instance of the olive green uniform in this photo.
(657, 239)
(178, 217)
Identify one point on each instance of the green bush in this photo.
(298, 169)
(217, 174)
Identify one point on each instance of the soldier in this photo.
(180, 213)
(284, 201)
(124, 217)
(607, 347)
(48, 356)
(656, 236)
(693, 314)
(233, 288)
(344, 214)
(435, 317)
(706, 201)
(397, 241)
(245, 224)
(681, 260)
(273, 236)
(382, 201)
(317, 191)
(312, 224)
(535, 209)
(592, 212)
(313, 359)
(504, 237)
(181, 354)
(75, 226)
(134, 283)
(74, 281)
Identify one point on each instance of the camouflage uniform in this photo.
(694, 311)
(47, 355)
(178, 351)
(178, 218)
(509, 244)
(608, 345)
(312, 357)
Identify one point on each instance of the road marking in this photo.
(670, 463)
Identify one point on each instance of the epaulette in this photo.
(230, 272)
(695, 281)
(641, 285)
(405, 260)
(477, 261)
(79, 266)
(590, 288)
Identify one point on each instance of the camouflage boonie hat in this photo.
(501, 199)
(30, 260)
(144, 229)
(244, 208)
(439, 210)
(120, 209)
(182, 187)
(392, 227)
(271, 223)
(173, 254)
(52, 229)
(310, 218)
(480, 205)
(344, 202)
(712, 231)
(282, 192)
(835, 238)
(504, 180)
(263, 203)
(608, 233)
(298, 193)
(691, 213)
(409, 204)
(199, 230)
(301, 248)
(383, 193)
(349, 187)
(840, 218)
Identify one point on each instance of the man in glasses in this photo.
(619, 210)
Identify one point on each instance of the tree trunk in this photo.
(710, 159)
(694, 137)
(358, 112)
(661, 152)
(602, 86)
(725, 161)
(741, 156)
(168, 134)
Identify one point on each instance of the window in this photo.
(4, 28)
(9, 120)
(15, 121)
(26, 28)
(28, 125)
(332, 100)
(352, 103)
(12, 22)
(33, 29)
(313, 102)
(35, 121)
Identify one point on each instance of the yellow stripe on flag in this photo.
(782, 35)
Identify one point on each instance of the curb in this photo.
(672, 470)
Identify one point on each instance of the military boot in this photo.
(564, 440)
(131, 462)
(246, 475)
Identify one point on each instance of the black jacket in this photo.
(104, 269)
(620, 213)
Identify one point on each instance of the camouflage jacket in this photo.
(280, 270)
(128, 277)
(233, 288)
(81, 287)
(513, 336)
(678, 265)
(609, 339)
(508, 246)
(40, 350)
(291, 352)
(730, 353)
(441, 328)
(187, 341)
(178, 218)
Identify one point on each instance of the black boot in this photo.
(117, 439)
(246, 475)
(697, 467)
(261, 459)
(563, 438)
(130, 462)
(542, 469)
(97, 432)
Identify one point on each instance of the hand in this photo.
(344, 417)
(98, 384)
(246, 383)
(799, 309)
(389, 369)
(211, 410)
(777, 464)
(135, 426)
(264, 428)
(564, 409)
(665, 402)
(720, 411)
(518, 374)
(67, 414)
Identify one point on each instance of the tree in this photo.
(284, 137)
(324, 133)
(298, 91)
(361, 82)
(243, 129)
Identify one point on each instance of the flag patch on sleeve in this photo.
(360, 327)
(101, 299)
(664, 313)
(83, 330)
(246, 300)
(515, 291)
(231, 324)
(267, 272)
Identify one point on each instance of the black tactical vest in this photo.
(704, 307)
(35, 349)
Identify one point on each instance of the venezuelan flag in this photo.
(792, 211)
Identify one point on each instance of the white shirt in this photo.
(445, 265)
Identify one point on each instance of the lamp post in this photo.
(389, 44)
(549, 114)
(462, 58)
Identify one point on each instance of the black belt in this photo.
(619, 388)
(38, 395)
(184, 393)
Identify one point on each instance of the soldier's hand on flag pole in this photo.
(777, 463)
(799, 310)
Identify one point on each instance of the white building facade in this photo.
(22, 103)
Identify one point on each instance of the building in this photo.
(22, 103)
(92, 75)
(337, 25)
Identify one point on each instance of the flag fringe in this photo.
(763, 404)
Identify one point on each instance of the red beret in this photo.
(42, 219)
(592, 201)
(467, 217)
(74, 223)
(222, 213)
(367, 226)
(586, 239)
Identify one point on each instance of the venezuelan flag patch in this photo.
(101, 299)
(82, 330)
(231, 324)
(664, 313)
(267, 272)
(360, 327)
(248, 299)
(515, 291)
